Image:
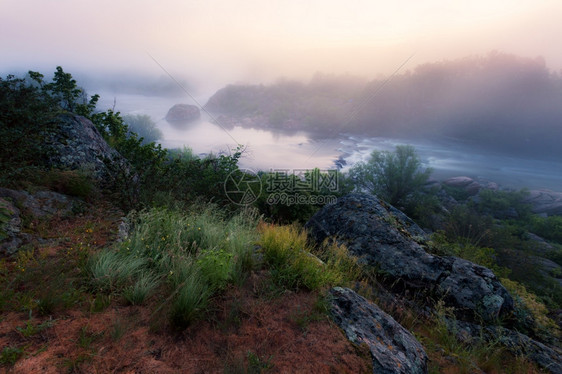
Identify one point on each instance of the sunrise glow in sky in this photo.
(259, 40)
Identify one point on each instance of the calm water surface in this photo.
(298, 150)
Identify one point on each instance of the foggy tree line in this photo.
(498, 101)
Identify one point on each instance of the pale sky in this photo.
(259, 40)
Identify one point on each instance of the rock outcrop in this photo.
(183, 113)
(545, 202)
(76, 143)
(39, 205)
(393, 348)
(469, 185)
(11, 237)
(547, 357)
(387, 240)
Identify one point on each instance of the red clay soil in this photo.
(244, 333)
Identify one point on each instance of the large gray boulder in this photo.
(183, 113)
(545, 202)
(76, 144)
(469, 185)
(393, 349)
(387, 240)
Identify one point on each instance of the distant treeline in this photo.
(498, 101)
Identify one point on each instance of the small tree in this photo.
(65, 89)
(393, 176)
(143, 126)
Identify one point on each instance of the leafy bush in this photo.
(393, 176)
(26, 113)
(424, 208)
(500, 203)
(288, 198)
(143, 126)
(549, 228)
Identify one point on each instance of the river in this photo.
(274, 150)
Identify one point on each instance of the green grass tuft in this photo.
(192, 256)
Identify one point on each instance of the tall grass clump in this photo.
(187, 256)
(192, 298)
(142, 288)
(294, 264)
(112, 270)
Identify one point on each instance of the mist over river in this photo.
(272, 149)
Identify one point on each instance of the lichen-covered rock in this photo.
(387, 240)
(39, 205)
(393, 348)
(183, 113)
(76, 143)
(10, 227)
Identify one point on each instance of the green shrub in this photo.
(26, 114)
(216, 267)
(549, 228)
(393, 176)
(457, 193)
(289, 197)
(143, 126)
(496, 203)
